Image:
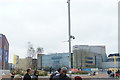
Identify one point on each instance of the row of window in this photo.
(90, 58)
(112, 59)
(89, 62)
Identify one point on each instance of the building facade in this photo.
(34, 64)
(10, 66)
(54, 60)
(85, 56)
(4, 52)
(113, 59)
(39, 61)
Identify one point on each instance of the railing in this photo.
(4, 72)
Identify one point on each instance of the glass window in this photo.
(110, 60)
(89, 58)
(89, 61)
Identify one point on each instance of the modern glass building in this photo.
(54, 60)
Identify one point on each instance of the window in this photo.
(88, 65)
(89, 61)
(111, 60)
(90, 58)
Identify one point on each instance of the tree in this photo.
(39, 50)
(30, 51)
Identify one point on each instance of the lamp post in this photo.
(69, 33)
(70, 37)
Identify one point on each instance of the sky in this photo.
(44, 23)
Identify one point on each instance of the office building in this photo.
(4, 52)
(85, 56)
(54, 60)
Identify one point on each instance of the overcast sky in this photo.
(44, 23)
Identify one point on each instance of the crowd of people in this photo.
(113, 73)
(27, 76)
(60, 74)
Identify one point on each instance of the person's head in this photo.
(13, 73)
(78, 78)
(59, 69)
(36, 73)
(63, 71)
(29, 71)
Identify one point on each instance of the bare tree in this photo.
(31, 51)
(30, 54)
(39, 50)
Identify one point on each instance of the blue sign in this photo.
(87, 69)
(0, 54)
(6, 56)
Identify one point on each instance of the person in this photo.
(62, 75)
(55, 73)
(35, 75)
(50, 69)
(118, 71)
(18, 77)
(112, 74)
(94, 73)
(109, 72)
(12, 75)
(27, 76)
(77, 78)
(117, 74)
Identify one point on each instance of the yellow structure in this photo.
(16, 59)
(113, 69)
(114, 59)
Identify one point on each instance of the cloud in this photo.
(45, 24)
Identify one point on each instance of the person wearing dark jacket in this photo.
(27, 76)
(35, 76)
(62, 75)
(55, 73)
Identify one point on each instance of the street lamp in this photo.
(69, 33)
